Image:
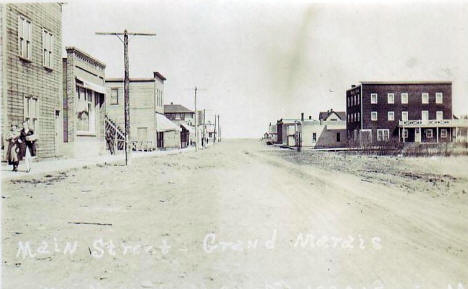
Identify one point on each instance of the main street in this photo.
(236, 215)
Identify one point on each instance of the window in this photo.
(439, 115)
(439, 97)
(382, 135)
(47, 48)
(443, 133)
(374, 116)
(358, 98)
(373, 98)
(391, 98)
(429, 133)
(31, 112)
(114, 96)
(24, 37)
(405, 133)
(358, 116)
(404, 115)
(391, 116)
(404, 98)
(338, 137)
(425, 98)
(424, 115)
(314, 137)
(86, 117)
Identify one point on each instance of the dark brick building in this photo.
(381, 112)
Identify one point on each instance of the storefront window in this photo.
(85, 108)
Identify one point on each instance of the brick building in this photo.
(385, 112)
(31, 43)
(149, 128)
(83, 104)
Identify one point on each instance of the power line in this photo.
(125, 35)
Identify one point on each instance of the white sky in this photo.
(259, 61)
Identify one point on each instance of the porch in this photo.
(433, 131)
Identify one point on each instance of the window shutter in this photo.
(29, 39)
(51, 51)
(20, 33)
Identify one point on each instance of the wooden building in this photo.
(31, 71)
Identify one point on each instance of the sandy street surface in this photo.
(241, 215)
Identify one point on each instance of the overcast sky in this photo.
(258, 61)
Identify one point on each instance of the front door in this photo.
(417, 134)
(58, 131)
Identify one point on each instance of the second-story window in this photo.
(47, 48)
(373, 98)
(390, 98)
(404, 98)
(24, 37)
(114, 96)
(425, 98)
(391, 116)
(404, 115)
(374, 116)
(440, 115)
(439, 97)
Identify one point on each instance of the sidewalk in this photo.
(55, 165)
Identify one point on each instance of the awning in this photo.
(164, 124)
(190, 129)
(92, 86)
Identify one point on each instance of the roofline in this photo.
(131, 80)
(71, 49)
(159, 75)
(408, 82)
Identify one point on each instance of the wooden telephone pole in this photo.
(125, 35)
(196, 123)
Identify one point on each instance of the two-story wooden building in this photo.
(185, 118)
(31, 71)
(83, 104)
(149, 128)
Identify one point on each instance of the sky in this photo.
(257, 61)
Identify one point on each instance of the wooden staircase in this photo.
(115, 136)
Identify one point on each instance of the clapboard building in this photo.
(31, 71)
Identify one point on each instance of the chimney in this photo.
(302, 116)
(331, 109)
(172, 103)
(353, 86)
(310, 117)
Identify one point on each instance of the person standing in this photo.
(13, 147)
(27, 144)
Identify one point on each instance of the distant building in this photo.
(149, 128)
(177, 112)
(184, 117)
(83, 104)
(329, 131)
(385, 112)
(31, 70)
(286, 132)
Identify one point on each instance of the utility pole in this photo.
(204, 128)
(214, 137)
(219, 130)
(125, 35)
(196, 122)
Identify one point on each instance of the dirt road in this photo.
(237, 215)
